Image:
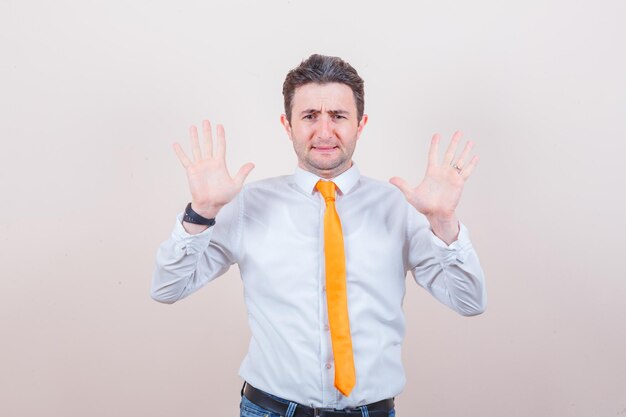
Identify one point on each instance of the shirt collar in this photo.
(345, 181)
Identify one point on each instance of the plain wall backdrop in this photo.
(93, 93)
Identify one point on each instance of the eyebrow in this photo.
(331, 112)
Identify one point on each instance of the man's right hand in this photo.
(210, 184)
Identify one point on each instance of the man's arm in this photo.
(450, 273)
(441, 256)
(186, 262)
(195, 254)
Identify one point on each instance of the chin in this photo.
(330, 167)
(326, 165)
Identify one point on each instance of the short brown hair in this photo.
(321, 69)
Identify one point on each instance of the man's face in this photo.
(324, 128)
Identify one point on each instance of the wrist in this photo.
(445, 228)
(207, 211)
(443, 220)
(191, 216)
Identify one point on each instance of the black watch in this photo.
(194, 218)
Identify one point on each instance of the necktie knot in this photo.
(327, 189)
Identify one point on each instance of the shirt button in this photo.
(326, 327)
(324, 288)
(329, 365)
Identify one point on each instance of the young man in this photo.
(323, 253)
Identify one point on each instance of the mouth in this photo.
(324, 149)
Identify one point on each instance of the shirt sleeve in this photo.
(185, 262)
(451, 273)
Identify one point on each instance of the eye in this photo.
(309, 116)
(339, 116)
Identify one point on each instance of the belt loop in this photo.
(291, 410)
(364, 411)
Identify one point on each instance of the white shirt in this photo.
(274, 231)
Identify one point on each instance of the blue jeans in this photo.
(249, 409)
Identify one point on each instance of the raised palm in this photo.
(210, 183)
(439, 193)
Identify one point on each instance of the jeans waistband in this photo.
(270, 403)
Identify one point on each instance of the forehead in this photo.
(332, 96)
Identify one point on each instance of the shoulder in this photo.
(384, 193)
(267, 184)
(379, 188)
(267, 190)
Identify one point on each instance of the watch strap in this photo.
(191, 216)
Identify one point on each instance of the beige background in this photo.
(93, 93)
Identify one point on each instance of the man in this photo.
(323, 262)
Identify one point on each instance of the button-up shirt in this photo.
(274, 231)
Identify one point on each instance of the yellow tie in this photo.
(336, 298)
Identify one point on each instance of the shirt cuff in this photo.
(457, 251)
(187, 243)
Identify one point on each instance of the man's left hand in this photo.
(440, 191)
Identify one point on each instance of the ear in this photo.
(286, 124)
(362, 124)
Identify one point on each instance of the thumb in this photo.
(402, 185)
(243, 172)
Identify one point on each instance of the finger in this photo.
(468, 147)
(467, 171)
(402, 185)
(434, 149)
(242, 174)
(208, 138)
(195, 144)
(220, 145)
(182, 157)
(449, 155)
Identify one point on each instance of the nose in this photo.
(324, 127)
